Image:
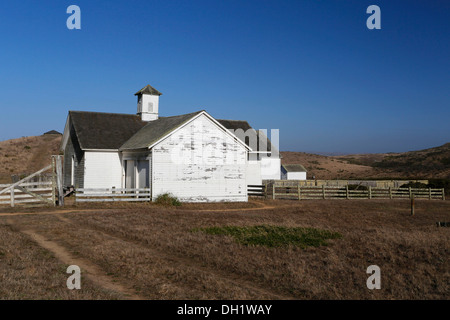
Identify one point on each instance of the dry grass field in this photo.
(26, 155)
(145, 251)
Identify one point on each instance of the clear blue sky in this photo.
(309, 68)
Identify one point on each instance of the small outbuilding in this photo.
(293, 172)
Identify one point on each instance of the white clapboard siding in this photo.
(296, 176)
(102, 169)
(200, 162)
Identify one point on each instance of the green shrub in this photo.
(27, 147)
(166, 199)
(274, 236)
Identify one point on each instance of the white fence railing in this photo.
(26, 193)
(112, 194)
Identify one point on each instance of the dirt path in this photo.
(262, 206)
(89, 269)
(12, 214)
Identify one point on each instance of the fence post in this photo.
(370, 192)
(53, 181)
(429, 193)
(59, 181)
(346, 192)
(323, 191)
(410, 193)
(298, 186)
(412, 205)
(390, 192)
(113, 191)
(12, 197)
(443, 194)
(273, 191)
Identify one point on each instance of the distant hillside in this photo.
(27, 155)
(326, 167)
(423, 164)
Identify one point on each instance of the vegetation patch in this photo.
(274, 236)
(166, 199)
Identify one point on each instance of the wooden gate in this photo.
(27, 191)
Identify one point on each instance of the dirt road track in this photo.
(183, 262)
(88, 269)
(98, 276)
(12, 214)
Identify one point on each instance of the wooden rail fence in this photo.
(325, 192)
(256, 190)
(112, 194)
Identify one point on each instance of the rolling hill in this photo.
(432, 163)
(29, 154)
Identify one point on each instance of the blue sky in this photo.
(310, 68)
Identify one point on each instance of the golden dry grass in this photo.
(26, 155)
(31, 272)
(152, 250)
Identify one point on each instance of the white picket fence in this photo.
(112, 194)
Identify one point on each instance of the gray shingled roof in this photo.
(98, 130)
(148, 89)
(234, 124)
(155, 130)
(294, 168)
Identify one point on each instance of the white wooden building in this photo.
(193, 156)
(293, 172)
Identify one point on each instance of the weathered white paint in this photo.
(148, 107)
(102, 170)
(200, 162)
(270, 168)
